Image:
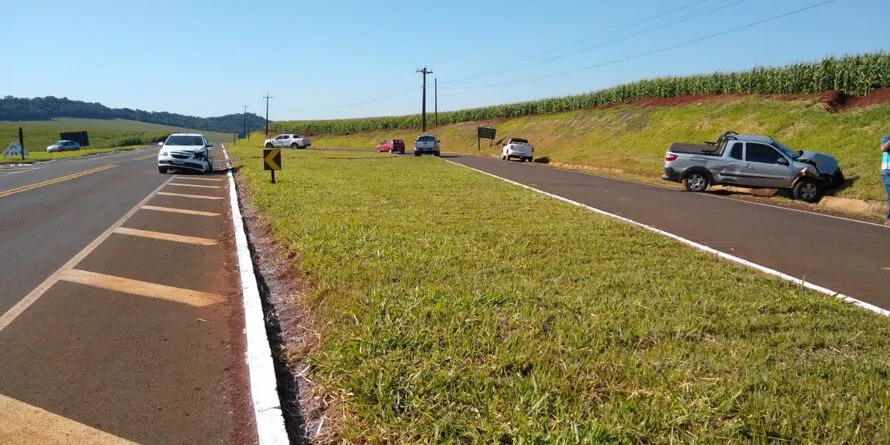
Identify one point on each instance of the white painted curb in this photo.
(263, 384)
(702, 247)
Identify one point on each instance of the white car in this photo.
(288, 140)
(186, 152)
(518, 148)
(63, 145)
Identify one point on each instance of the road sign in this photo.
(81, 137)
(272, 160)
(484, 133)
(14, 149)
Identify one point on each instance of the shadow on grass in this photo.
(542, 160)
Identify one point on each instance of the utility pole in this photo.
(424, 71)
(246, 134)
(267, 97)
(436, 100)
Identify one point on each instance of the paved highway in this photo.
(120, 310)
(848, 256)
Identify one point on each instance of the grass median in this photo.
(454, 307)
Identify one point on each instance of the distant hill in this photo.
(45, 108)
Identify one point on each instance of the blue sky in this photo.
(339, 58)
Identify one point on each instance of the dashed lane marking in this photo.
(142, 158)
(166, 236)
(38, 185)
(184, 195)
(141, 288)
(29, 425)
(180, 211)
(194, 185)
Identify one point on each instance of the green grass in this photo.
(453, 307)
(105, 135)
(631, 140)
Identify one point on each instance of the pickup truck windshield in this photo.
(793, 154)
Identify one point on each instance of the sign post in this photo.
(484, 133)
(22, 142)
(272, 160)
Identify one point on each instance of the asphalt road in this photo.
(848, 256)
(139, 338)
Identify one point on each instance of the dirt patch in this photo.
(290, 327)
(876, 97)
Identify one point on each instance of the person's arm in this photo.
(885, 147)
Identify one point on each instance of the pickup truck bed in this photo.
(698, 149)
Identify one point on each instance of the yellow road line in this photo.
(166, 236)
(181, 211)
(146, 157)
(38, 185)
(195, 185)
(26, 424)
(141, 288)
(198, 179)
(183, 195)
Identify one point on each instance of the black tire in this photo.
(294, 145)
(162, 170)
(531, 159)
(436, 154)
(268, 145)
(807, 190)
(696, 181)
(416, 154)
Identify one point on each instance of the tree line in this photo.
(45, 108)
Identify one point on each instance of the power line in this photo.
(579, 42)
(648, 53)
(618, 39)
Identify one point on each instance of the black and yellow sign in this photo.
(272, 159)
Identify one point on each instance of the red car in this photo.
(391, 146)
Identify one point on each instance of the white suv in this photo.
(186, 151)
(518, 148)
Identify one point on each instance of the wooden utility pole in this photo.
(424, 71)
(267, 97)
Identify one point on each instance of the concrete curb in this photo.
(720, 254)
(261, 369)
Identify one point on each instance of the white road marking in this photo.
(195, 185)
(194, 178)
(29, 425)
(702, 247)
(41, 289)
(180, 211)
(184, 195)
(141, 288)
(166, 236)
(261, 370)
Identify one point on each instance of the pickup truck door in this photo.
(280, 141)
(767, 167)
(732, 168)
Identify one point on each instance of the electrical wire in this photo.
(648, 53)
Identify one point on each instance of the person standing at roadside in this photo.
(885, 170)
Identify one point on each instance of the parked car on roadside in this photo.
(183, 151)
(518, 148)
(754, 162)
(426, 144)
(391, 146)
(63, 145)
(292, 140)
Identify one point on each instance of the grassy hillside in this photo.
(104, 133)
(632, 139)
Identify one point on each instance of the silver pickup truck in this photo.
(753, 162)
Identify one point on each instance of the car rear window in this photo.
(184, 140)
(398, 141)
(426, 139)
(520, 140)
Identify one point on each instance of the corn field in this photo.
(856, 75)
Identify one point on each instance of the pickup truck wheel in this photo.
(269, 145)
(807, 190)
(294, 145)
(696, 182)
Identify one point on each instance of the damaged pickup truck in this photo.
(753, 162)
